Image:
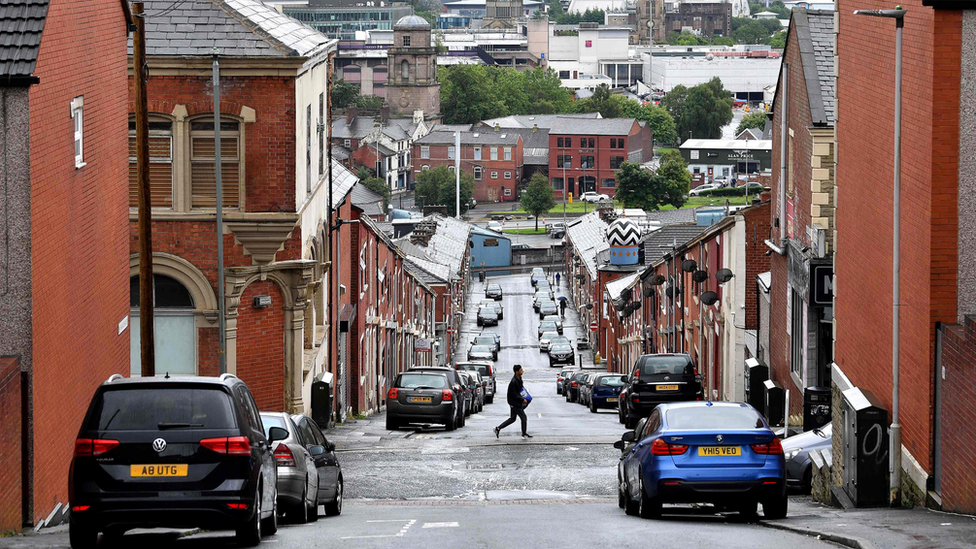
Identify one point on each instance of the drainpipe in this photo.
(784, 128)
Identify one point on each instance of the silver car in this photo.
(326, 462)
(557, 320)
(298, 479)
(797, 448)
(545, 340)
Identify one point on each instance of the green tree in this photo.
(662, 125)
(438, 187)
(603, 101)
(772, 25)
(719, 40)
(778, 40)
(545, 92)
(379, 187)
(635, 187)
(638, 187)
(674, 102)
(752, 120)
(753, 32)
(555, 10)
(468, 95)
(343, 93)
(673, 179)
(700, 111)
(509, 87)
(538, 197)
(369, 102)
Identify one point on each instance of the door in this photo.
(937, 427)
(174, 327)
(492, 195)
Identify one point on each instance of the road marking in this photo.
(390, 520)
(371, 537)
(440, 525)
(399, 534)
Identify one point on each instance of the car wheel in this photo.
(249, 534)
(620, 415)
(631, 507)
(80, 535)
(313, 510)
(775, 508)
(335, 507)
(630, 422)
(392, 424)
(269, 526)
(621, 496)
(592, 407)
(490, 399)
(301, 509)
(747, 510)
(559, 390)
(647, 507)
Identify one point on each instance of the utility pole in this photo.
(146, 339)
(457, 174)
(221, 307)
(330, 230)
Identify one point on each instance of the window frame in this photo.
(493, 153)
(508, 153)
(78, 128)
(508, 175)
(477, 153)
(188, 155)
(425, 152)
(494, 175)
(171, 134)
(478, 171)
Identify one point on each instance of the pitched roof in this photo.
(443, 256)
(683, 216)
(658, 243)
(530, 120)
(614, 288)
(360, 127)
(21, 26)
(588, 235)
(451, 128)
(484, 137)
(342, 182)
(597, 126)
(366, 200)
(815, 37)
(750, 133)
(237, 28)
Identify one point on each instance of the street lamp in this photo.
(894, 467)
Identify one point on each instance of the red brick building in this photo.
(275, 184)
(63, 312)
(937, 224)
(493, 157)
(585, 157)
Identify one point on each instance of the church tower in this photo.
(412, 84)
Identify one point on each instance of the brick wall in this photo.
(959, 418)
(758, 223)
(79, 239)
(11, 416)
(865, 130)
(261, 346)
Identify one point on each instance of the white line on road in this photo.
(371, 537)
(391, 520)
(440, 525)
(540, 414)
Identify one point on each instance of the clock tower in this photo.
(412, 84)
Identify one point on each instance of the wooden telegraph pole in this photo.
(146, 339)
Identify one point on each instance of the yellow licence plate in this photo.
(719, 451)
(667, 387)
(419, 399)
(612, 399)
(157, 470)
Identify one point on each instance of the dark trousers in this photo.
(517, 411)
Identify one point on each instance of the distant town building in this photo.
(342, 18)
(413, 58)
(584, 157)
(494, 158)
(706, 18)
(502, 14)
(727, 157)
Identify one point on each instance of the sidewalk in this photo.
(880, 528)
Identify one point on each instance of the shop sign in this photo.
(821, 284)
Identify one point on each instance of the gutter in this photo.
(772, 246)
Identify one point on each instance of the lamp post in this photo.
(894, 467)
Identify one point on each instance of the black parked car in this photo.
(326, 461)
(487, 317)
(494, 291)
(455, 385)
(421, 396)
(659, 378)
(561, 353)
(562, 379)
(470, 400)
(571, 390)
(188, 452)
(487, 340)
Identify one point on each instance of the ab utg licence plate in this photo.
(158, 470)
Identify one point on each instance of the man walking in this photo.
(516, 402)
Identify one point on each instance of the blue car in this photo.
(721, 453)
(605, 391)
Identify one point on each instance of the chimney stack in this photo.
(535, 128)
(351, 112)
(384, 113)
(497, 126)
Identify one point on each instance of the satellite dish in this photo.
(689, 265)
(657, 280)
(648, 292)
(709, 298)
(700, 276)
(724, 275)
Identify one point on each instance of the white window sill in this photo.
(81, 165)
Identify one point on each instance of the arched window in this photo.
(405, 70)
(203, 178)
(160, 163)
(174, 327)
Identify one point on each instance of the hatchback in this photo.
(547, 326)
(487, 341)
(487, 317)
(454, 383)
(487, 372)
(545, 339)
(173, 452)
(605, 391)
(481, 352)
(421, 397)
(298, 479)
(326, 461)
(539, 297)
(571, 391)
(547, 308)
(721, 453)
(494, 305)
(557, 320)
(537, 274)
(659, 378)
(494, 291)
(561, 380)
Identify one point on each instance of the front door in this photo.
(492, 195)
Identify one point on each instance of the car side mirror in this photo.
(277, 433)
(619, 445)
(629, 436)
(316, 450)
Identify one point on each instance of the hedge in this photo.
(727, 191)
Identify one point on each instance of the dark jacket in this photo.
(515, 392)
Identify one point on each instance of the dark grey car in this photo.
(797, 448)
(326, 462)
(298, 479)
(423, 397)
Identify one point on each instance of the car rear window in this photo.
(714, 417)
(560, 340)
(547, 324)
(666, 365)
(411, 381)
(154, 408)
(611, 381)
(480, 368)
(485, 341)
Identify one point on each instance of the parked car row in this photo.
(154, 451)
(440, 395)
(490, 309)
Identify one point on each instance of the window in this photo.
(608, 183)
(564, 161)
(591, 143)
(615, 162)
(308, 148)
(406, 40)
(494, 153)
(557, 183)
(621, 143)
(160, 164)
(560, 142)
(613, 142)
(477, 153)
(587, 161)
(424, 151)
(569, 142)
(78, 114)
(477, 173)
(405, 71)
(797, 333)
(203, 180)
(319, 127)
(508, 153)
(564, 75)
(424, 168)
(508, 192)
(494, 175)
(347, 142)
(508, 175)
(450, 152)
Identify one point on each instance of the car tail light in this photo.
(78, 508)
(237, 505)
(235, 446)
(637, 372)
(284, 457)
(93, 447)
(696, 371)
(393, 393)
(447, 395)
(774, 448)
(661, 448)
(574, 384)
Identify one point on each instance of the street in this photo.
(423, 487)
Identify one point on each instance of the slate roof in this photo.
(237, 28)
(535, 145)
(484, 137)
(658, 243)
(451, 128)
(597, 126)
(815, 37)
(588, 235)
(340, 153)
(366, 200)
(343, 181)
(443, 255)
(530, 120)
(614, 288)
(750, 133)
(360, 127)
(21, 26)
(683, 216)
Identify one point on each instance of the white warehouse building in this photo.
(746, 77)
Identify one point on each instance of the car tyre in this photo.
(631, 507)
(269, 526)
(647, 507)
(334, 508)
(748, 511)
(620, 414)
(621, 496)
(490, 399)
(630, 422)
(776, 508)
(81, 536)
(592, 406)
(392, 424)
(249, 534)
(559, 390)
(313, 509)
(301, 509)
